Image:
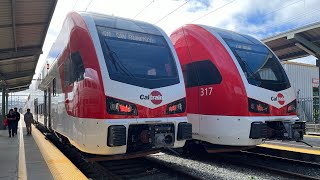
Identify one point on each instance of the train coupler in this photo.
(294, 130)
(290, 130)
(278, 130)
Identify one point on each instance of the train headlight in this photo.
(177, 107)
(115, 106)
(292, 107)
(257, 106)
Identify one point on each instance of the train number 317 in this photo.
(205, 91)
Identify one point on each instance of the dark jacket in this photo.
(17, 114)
(11, 118)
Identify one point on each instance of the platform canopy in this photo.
(297, 43)
(23, 28)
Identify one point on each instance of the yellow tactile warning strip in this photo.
(60, 166)
(311, 136)
(293, 149)
(22, 171)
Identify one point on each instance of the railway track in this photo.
(142, 168)
(279, 165)
(293, 168)
(150, 168)
(137, 168)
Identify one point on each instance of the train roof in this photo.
(231, 35)
(122, 23)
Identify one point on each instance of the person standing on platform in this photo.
(17, 114)
(11, 122)
(28, 118)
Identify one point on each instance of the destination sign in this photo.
(248, 47)
(129, 35)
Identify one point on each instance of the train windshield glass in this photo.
(139, 59)
(260, 65)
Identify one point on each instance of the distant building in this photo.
(304, 79)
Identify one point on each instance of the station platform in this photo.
(297, 147)
(33, 157)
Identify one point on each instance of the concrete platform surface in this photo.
(20, 157)
(9, 156)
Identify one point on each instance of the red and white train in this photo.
(238, 93)
(114, 86)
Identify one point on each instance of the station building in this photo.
(304, 79)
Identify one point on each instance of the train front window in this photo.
(260, 66)
(139, 59)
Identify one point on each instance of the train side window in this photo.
(68, 72)
(208, 73)
(78, 67)
(54, 87)
(40, 109)
(201, 73)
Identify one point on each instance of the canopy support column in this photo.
(3, 107)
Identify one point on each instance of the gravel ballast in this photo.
(215, 169)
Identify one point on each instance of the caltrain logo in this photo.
(155, 97)
(279, 98)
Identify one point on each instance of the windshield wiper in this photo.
(245, 64)
(117, 63)
(252, 74)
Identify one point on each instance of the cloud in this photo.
(199, 5)
(258, 18)
(306, 60)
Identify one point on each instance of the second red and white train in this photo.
(238, 93)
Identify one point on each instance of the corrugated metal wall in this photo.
(300, 76)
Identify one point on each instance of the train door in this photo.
(35, 105)
(49, 107)
(45, 99)
(46, 108)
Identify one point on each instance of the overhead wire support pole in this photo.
(7, 104)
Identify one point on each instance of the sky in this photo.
(259, 18)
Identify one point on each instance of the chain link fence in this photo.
(308, 109)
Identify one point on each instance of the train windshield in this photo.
(139, 59)
(260, 66)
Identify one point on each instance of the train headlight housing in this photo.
(176, 107)
(115, 106)
(257, 106)
(292, 107)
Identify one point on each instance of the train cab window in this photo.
(139, 59)
(201, 73)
